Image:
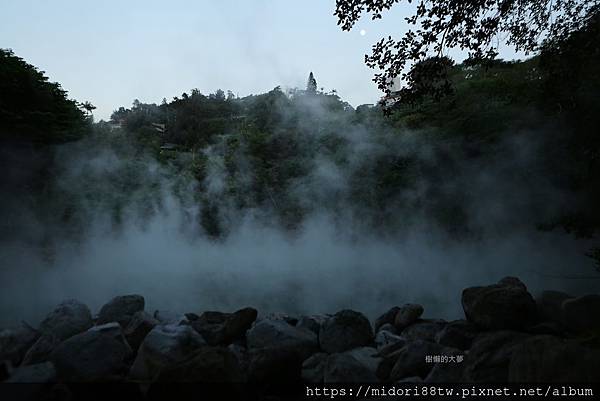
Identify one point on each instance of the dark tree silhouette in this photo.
(476, 26)
(311, 85)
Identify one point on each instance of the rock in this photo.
(5, 370)
(91, 356)
(312, 322)
(407, 315)
(241, 354)
(268, 333)
(384, 338)
(40, 351)
(411, 359)
(550, 328)
(391, 348)
(14, 343)
(313, 369)
(582, 314)
(277, 350)
(387, 318)
(138, 328)
(389, 328)
(457, 334)
(163, 348)
(549, 359)
(208, 364)
(490, 355)
(549, 304)
(113, 330)
(506, 305)
(345, 330)
(223, 328)
(37, 373)
(423, 330)
(356, 366)
(166, 317)
(121, 309)
(67, 319)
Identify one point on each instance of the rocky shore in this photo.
(507, 336)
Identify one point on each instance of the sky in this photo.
(112, 52)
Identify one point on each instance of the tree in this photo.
(88, 107)
(476, 26)
(311, 85)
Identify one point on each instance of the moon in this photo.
(363, 32)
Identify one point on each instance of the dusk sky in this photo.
(112, 52)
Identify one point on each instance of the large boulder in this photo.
(386, 340)
(95, 355)
(219, 328)
(490, 354)
(313, 369)
(277, 350)
(355, 366)
(386, 318)
(407, 315)
(121, 309)
(345, 330)
(14, 343)
(269, 333)
(423, 330)
(549, 359)
(169, 317)
(38, 373)
(506, 305)
(457, 334)
(208, 364)
(549, 305)
(582, 314)
(67, 319)
(40, 351)
(312, 322)
(164, 347)
(138, 328)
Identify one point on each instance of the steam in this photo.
(337, 258)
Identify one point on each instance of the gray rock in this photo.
(549, 359)
(407, 315)
(121, 309)
(411, 360)
(506, 305)
(40, 351)
(356, 366)
(457, 334)
(277, 350)
(219, 328)
(138, 328)
(208, 364)
(345, 330)
(489, 357)
(91, 356)
(426, 330)
(549, 305)
(582, 314)
(387, 318)
(274, 333)
(450, 372)
(312, 322)
(14, 342)
(388, 327)
(167, 317)
(384, 338)
(163, 348)
(67, 319)
(241, 354)
(313, 369)
(38, 373)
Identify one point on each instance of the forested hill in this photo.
(514, 146)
